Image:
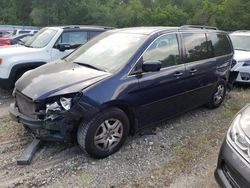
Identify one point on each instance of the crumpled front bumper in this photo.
(25, 120)
(59, 129)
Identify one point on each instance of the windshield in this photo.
(109, 51)
(41, 38)
(241, 42)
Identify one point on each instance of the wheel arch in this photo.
(21, 68)
(128, 111)
(24, 67)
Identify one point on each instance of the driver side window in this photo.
(164, 49)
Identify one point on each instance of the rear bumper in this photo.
(232, 169)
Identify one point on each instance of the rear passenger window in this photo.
(164, 49)
(220, 44)
(196, 47)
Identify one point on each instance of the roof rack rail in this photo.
(198, 27)
(241, 31)
(71, 27)
(78, 26)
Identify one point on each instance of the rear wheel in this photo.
(218, 95)
(104, 134)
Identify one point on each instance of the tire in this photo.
(104, 134)
(218, 95)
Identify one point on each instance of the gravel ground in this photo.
(179, 153)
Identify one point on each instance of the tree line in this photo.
(225, 14)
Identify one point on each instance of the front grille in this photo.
(230, 176)
(25, 105)
(234, 177)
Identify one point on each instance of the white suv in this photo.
(241, 62)
(49, 44)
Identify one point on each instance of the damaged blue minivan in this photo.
(122, 81)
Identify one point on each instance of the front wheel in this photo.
(218, 95)
(104, 134)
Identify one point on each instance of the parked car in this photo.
(233, 169)
(19, 29)
(4, 41)
(16, 39)
(241, 63)
(20, 39)
(25, 31)
(123, 81)
(47, 45)
(5, 33)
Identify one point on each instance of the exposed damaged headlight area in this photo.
(53, 110)
(59, 105)
(66, 103)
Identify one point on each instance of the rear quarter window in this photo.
(219, 44)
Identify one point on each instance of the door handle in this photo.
(192, 71)
(178, 74)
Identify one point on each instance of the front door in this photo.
(161, 93)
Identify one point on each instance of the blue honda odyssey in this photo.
(122, 81)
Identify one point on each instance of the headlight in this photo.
(238, 137)
(66, 103)
(246, 63)
(62, 104)
(53, 107)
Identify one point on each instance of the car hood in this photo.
(241, 55)
(57, 78)
(15, 50)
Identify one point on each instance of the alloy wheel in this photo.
(219, 94)
(108, 134)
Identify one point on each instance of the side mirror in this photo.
(63, 47)
(151, 66)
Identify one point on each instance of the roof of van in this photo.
(141, 30)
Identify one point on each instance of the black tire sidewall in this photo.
(90, 147)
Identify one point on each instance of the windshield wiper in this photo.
(90, 66)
